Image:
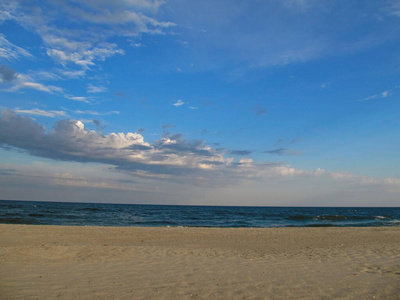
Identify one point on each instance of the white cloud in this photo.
(84, 56)
(392, 181)
(10, 51)
(95, 113)
(77, 98)
(364, 180)
(394, 8)
(44, 75)
(383, 94)
(270, 33)
(68, 179)
(128, 152)
(22, 82)
(39, 112)
(141, 5)
(171, 158)
(38, 86)
(178, 103)
(81, 46)
(71, 73)
(96, 89)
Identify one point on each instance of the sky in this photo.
(274, 102)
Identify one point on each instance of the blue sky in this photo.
(291, 102)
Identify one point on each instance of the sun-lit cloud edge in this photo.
(69, 45)
(171, 159)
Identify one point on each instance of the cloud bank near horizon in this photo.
(172, 158)
(234, 96)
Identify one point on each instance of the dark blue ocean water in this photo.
(87, 214)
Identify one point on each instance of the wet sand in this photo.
(61, 262)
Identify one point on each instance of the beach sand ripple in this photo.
(51, 262)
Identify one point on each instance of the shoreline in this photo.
(92, 262)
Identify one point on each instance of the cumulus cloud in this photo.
(171, 158)
(69, 140)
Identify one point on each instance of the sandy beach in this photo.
(51, 262)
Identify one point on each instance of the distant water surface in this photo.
(90, 214)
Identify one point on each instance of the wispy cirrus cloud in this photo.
(69, 140)
(281, 32)
(283, 151)
(92, 89)
(84, 58)
(72, 180)
(393, 8)
(383, 94)
(77, 46)
(24, 82)
(9, 51)
(178, 103)
(40, 112)
(95, 113)
(17, 82)
(240, 152)
(77, 98)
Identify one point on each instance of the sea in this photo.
(96, 214)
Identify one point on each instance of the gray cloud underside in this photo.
(240, 152)
(282, 151)
(174, 160)
(7, 74)
(259, 111)
(171, 157)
